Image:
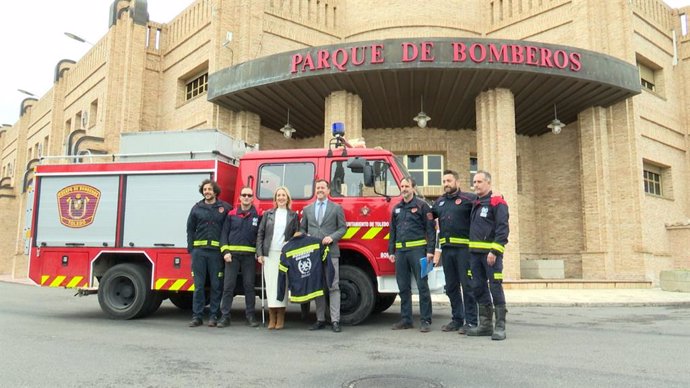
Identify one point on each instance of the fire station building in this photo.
(578, 108)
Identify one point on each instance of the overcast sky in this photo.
(32, 41)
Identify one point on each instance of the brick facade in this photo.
(577, 196)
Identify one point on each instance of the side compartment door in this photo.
(157, 207)
(77, 211)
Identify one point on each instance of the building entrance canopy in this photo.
(393, 77)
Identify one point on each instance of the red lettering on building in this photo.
(560, 59)
(296, 59)
(517, 54)
(358, 55)
(545, 55)
(427, 56)
(410, 52)
(513, 54)
(459, 52)
(377, 53)
(498, 54)
(575, 64)
(322, 60)
(473, 52)
(531, 56)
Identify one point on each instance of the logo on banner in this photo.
(77, 205)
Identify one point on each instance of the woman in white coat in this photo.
(277, 226)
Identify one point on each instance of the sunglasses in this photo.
(246, 195)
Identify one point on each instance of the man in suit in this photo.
(325, 220)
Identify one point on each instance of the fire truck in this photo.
(116, 227)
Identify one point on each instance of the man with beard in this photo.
(452, 210)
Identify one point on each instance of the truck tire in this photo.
(124, 292)
(357, 295)
(383, 302)
(155, 302)
(183, 300)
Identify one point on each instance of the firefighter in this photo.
(488, 237)
(238, 246)
(452, 210)
(412, 237)
(204, 226)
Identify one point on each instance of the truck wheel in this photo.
(183, 300)
(356, 295)
(124, 292)
(383, 302)
(155, 302)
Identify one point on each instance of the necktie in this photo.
(319, 217)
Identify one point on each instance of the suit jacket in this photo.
(333, 224)
(265, 233)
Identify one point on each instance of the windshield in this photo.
(401, 166)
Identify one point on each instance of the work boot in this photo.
(451, 326)
(500, 330)
(465, 328)
(224, 321)
(272, 317)
(486, 326)
(251, 321)
(280, 318)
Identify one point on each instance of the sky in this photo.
(32, 37)
(33, 41)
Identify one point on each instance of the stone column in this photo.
(611, 194)
(242, 125)
(346, 108)
(497, 154)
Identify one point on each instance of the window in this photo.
(197, 86)
(473, 169)
(657, 180)
(297, 177)
(347, 183)
(651, 75)
(652, 182)
(93, 113)
(426, 170)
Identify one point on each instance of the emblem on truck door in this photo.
(77, 205)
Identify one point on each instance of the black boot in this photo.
(500, 330)
(486, 326)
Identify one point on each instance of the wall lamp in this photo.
(422, 119)
(556, 125)
(287, 129)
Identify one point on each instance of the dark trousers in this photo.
(247, 263)
(487, 281)
(206, 263)
(456, 265)
(406, 266)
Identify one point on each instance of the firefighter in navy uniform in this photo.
(412, 237)
(238, 247)
(204, 227)
(488, 237)
(453, 211)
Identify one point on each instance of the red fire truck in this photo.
(117, 228)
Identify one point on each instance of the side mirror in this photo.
(368, 175)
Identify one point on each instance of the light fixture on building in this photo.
(556, 125)
(77, 38)
(422, 119)
(287, 129)
(25, 92)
